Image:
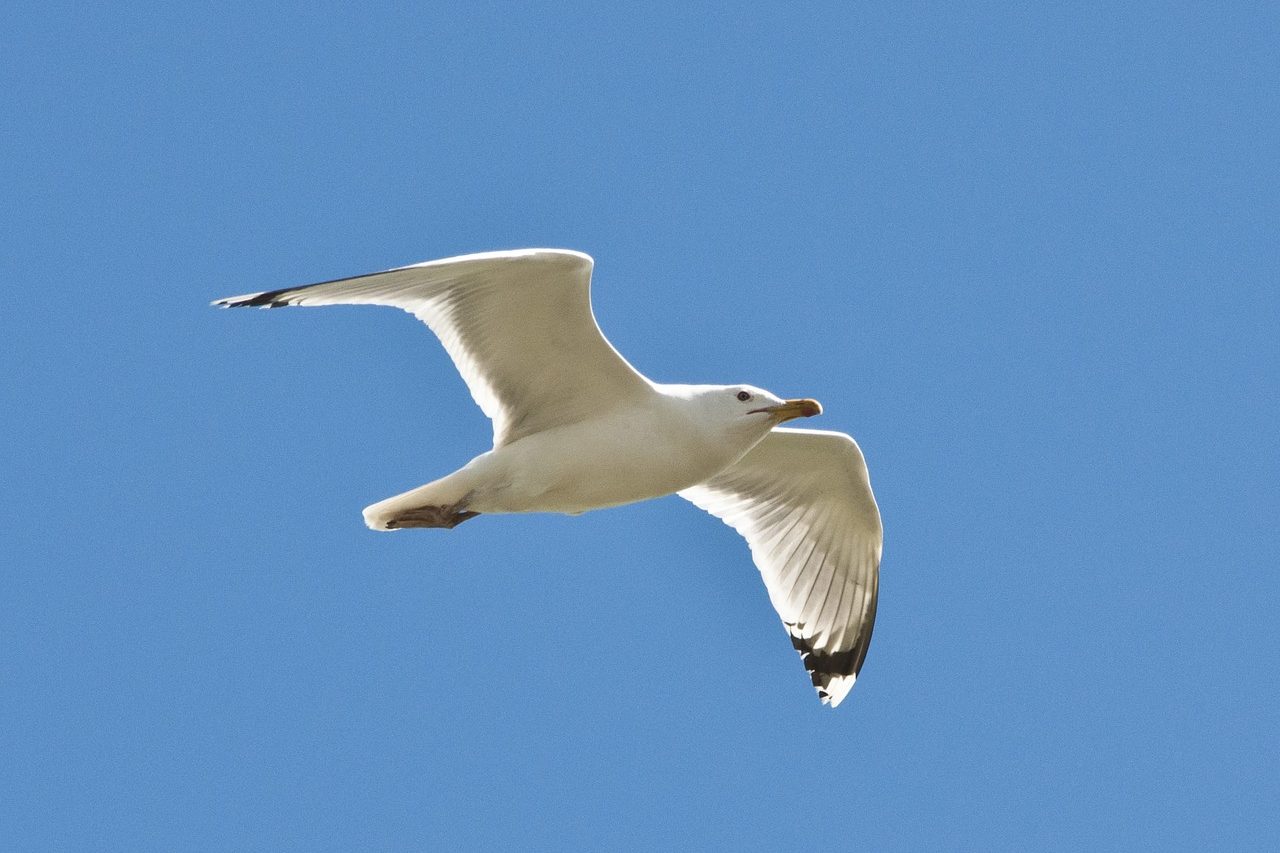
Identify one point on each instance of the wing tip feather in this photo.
(265, 299)
(836, 689)
(833, 673)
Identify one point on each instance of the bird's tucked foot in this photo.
(447, 517)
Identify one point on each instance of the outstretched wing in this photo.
(518, 326)
(802, 500)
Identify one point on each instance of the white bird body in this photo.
(577, 428)
(664, 442)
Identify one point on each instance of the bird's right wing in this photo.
(518, 326)
(802, 500)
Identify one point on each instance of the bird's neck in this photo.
(706, 429)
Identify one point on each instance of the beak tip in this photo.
(789, 409)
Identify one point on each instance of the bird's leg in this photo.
(447, 517)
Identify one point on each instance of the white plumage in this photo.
(802, 500)
(575, 428)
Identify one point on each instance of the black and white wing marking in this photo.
(802, 500)
(518, 326)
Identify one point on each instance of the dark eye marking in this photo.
(744, 396)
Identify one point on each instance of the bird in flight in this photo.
(577, 428)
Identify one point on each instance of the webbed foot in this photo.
(447, 517)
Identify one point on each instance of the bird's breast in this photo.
(620, 458)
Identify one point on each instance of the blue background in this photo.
(1026, 255)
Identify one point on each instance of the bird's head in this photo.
(751, 409)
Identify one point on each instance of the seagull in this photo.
(577, 428)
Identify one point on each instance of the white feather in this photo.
(802, 500)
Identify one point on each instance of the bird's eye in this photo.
(744, 396)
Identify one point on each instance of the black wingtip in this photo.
(825, 665)
(267, 299)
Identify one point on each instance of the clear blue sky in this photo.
(1026, 256)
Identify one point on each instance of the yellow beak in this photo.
(785, 411)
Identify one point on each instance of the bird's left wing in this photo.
(802, 500)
